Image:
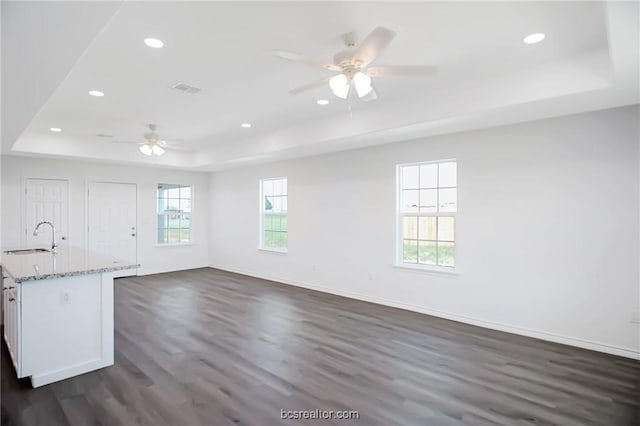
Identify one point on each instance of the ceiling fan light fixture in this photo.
(339, 85)
(362, 83)
(533, 38)
(157, 150)
(153, 42)
(146, 149)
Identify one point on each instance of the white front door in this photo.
(112, 220)
(46, 200)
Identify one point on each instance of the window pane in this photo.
(162, 236)
(410, 201)
(284, 186)
(172, 221)
(269, 224)
(284, 204)
(185, 235)
(185, 221)
(284, 226)
(448, 202)
(268, 204)
(427, 227)
(275, 239)
(277, 187)
(277, 204)
(173, 236)
(162, 221)
(281, 240)
(173, 193)
(428, 200)
(446, 254)
(162, 204)
(429, 176)
(447, 174)
(185, 206)
(410, 228)
(172, 204)
(410, 177)
(185, 192)
(410, 251)
(446, 228)
(427, 252)
(267, 187)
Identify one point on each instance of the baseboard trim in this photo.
(142, 272)
(493, 325)
(75, 370)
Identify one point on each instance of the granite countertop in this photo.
(66, 262)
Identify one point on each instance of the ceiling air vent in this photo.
(185, 88)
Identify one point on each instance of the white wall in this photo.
(548, 228)
(152, 259)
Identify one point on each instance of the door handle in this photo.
(133, 235)
(64, 238)
(11, 299)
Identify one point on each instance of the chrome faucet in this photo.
(54, 245)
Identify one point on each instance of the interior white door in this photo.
(112, 220)
(46, 200)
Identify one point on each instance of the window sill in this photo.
(436, 270)
(175, 244)
(273, 250)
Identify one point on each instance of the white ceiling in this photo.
(487, 75)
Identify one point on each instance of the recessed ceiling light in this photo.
(533, 38)
(96, 93)
(322, 102)
(246, 125)
(55, 129)
(153, 42)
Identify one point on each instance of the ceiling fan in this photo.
(352, 66)
(152, 144)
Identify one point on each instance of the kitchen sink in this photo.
(27, 251)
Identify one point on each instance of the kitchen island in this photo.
(58, 311)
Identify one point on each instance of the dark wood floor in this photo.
(206, 347)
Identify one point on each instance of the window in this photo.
(174, 213)
(273, 214)
(427, 214)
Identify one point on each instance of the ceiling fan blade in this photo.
(173, 145)
(290, 56)
(401, 70)
(371, 96)
(371, 46)
(314, 85)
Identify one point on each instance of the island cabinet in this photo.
(11, 319)
(58, 313)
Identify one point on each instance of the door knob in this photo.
(133, 235)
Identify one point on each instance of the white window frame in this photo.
(191, 222)
(399, 261)
(261, 215)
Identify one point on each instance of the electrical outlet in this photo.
(65, 297)
(635, 317)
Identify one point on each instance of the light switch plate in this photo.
(65, 297)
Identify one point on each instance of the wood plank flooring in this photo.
(207, 347)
